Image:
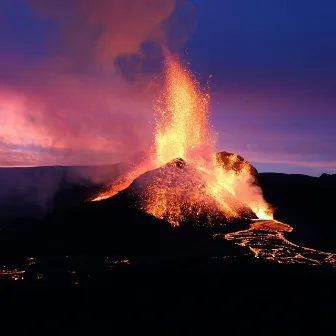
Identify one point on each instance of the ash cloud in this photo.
(93, 87)
(114, 27)
(84, 95)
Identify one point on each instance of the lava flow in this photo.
(183, 132)
(265, 239)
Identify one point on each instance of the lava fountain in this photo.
(183, 133)
(182, 126)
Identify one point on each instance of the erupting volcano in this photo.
(183, 175)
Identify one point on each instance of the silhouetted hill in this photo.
(306, 203)
(116, 227)
(30, 191)
(328, 178)
(101, 228)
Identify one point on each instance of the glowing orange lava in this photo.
(204, 183)
(265, 239)
(182, 126)
(122, 182)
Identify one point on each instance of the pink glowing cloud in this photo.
(63, 111)
(75, 99)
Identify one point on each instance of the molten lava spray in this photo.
(204, 186)
(182, 125)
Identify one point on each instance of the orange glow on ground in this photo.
(265, 239)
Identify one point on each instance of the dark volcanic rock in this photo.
(100, 228)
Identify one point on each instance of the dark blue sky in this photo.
(273, 67)
(271, 38)
(274, 77)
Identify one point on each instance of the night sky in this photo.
(77, 78)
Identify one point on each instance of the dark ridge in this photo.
(116, 226)
(328, 178)
(32, 192)
(306, 203)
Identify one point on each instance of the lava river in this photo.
(265, 239)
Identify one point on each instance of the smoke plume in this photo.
(88, 98)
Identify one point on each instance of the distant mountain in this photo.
(328, 178)
(31, 191)
(307, 203)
